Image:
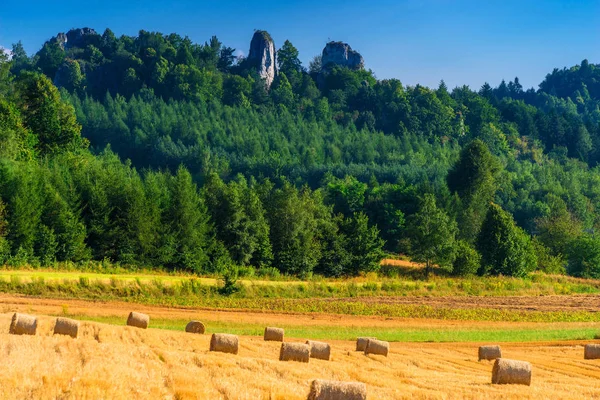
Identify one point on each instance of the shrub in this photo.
(467, 260)
(546, 262)
(230, 284)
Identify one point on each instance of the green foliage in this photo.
(584, 257)
(189, 223)
(240, 221)
(364, 245)
(472, 178)
(346, 195)
(558, 228)
(467, 260)
(50, 118)
(230, 281)
(349, 156)
(546, 262)
(432, 235)
(287, 59)
(291, 214)
(505, 248)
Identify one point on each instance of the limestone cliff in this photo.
(263, 57)
(339, 53)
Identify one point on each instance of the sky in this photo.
(463, 42)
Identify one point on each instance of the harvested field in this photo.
(315, 326)
(588, 303)
(124, 362)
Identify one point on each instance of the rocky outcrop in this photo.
(262, 56)
(77, 38)
(81, 37)
(339, 53)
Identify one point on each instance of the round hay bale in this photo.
(361, 343)
(507, 371)
(195, 327)
(23, 324)
(66, 326)
(591, 351)
(274, 334)
(378, 347)
(224, 343)
(336, 390)
(489, 352)
(138, 320)
(319, 350)
(294, 352)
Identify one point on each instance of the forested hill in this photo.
(267, 165)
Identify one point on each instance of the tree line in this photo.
(157, 151)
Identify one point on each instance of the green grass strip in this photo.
(388, 334)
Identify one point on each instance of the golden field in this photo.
(108, 362)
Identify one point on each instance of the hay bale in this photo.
(489, 352)
(378, 347)
(294, 352)
(224, 343)
(319, 350)
(591, 351)
(195, 327)
(274, 334)
(66, 326)
(361, 343)
(23, 324)
(336, 390)
(507, 371)
(138, 320)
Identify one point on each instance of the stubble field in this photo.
(110, 361)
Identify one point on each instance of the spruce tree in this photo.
(504, 247)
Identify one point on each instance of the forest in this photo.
(159, 152)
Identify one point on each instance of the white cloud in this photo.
(240, 53)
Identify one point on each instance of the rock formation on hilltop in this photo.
(75, 37)
(263, 57)
(339, 53)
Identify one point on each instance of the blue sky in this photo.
(463, 42)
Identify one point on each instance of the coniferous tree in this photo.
(473, 179)
(189, 223)
(504, 247)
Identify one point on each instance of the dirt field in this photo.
(586, 302)
(123, 362)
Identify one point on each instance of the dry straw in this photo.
(335, 390)
(138, 320)
(319, 350)
(507, 371)
(66, 326)
(591, 351)
(361, 343)
(195, 327)
(274, 334)
(378, 347)
(224, 343)
(294, 352)
(23, 324)
(489, 352)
